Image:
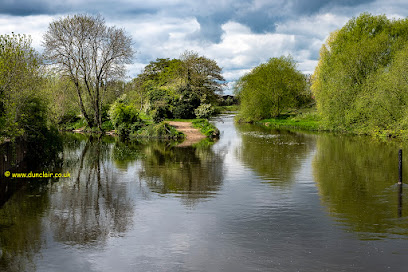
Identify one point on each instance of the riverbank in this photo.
(192, 130)
(307, 119)
(192, 135)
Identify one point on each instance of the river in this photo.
(256, 200)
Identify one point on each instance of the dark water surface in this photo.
(257, 200)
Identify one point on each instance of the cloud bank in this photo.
(239, 35)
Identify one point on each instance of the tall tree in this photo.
(83, 48)
(270, 88)
(202, 75)
(20, 79)
(357, 82)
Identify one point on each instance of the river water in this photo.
(256, 200)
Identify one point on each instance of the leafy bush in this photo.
(161, 130)
(204, 111)
(107, 126)
(161, 113)
(125, 118)
(33, 117)
(188, 102)
(206, 128)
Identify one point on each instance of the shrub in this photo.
(206, 128)
(188, 102)
(125, 118)
(161, 130)
(204, 111)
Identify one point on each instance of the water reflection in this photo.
(194, 173)
(94, 203)
(357, 179)
(22, 201)
(273, 154)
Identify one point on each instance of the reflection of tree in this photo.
(21, 228)
(356, 178)
(274, 155)
(124, 153)
(193, 172)
(93, 203)
(22, 201)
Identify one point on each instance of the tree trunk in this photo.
(81, 104)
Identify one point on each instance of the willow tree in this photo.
(359, 81)
(270, 88)
(84, 49)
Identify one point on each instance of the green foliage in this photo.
(20, 83)
(270, 88)
(124, 117)
(359, 82)
(63, 107)
(33, 118)
(173, 88)
(107, 126)
(303, 121)
(77, 124)
(206, 128)
(202, 75)
(204, 111)
(187, 103)
(161, 130)
(161, 104)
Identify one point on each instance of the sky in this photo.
(237, 34)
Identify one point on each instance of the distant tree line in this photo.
(78, 82)
(359, 85)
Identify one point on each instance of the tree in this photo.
(270, 88)
(20, 82)
(175, 87)
(84, 49)
(203, 75)
(354, 82)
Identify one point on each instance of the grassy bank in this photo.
(161, 130)
(304, 120)
(224, 109)
(206, 128)
(203, 125)
(309, 120)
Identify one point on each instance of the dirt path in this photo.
(193, 135)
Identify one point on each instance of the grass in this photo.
(223, 109)
(161, 130)
(203, 125)
(206, 128)
(306, 119)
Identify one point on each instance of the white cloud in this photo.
(241, 50)
(318, 26)
(168, 29)
(34, 26)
